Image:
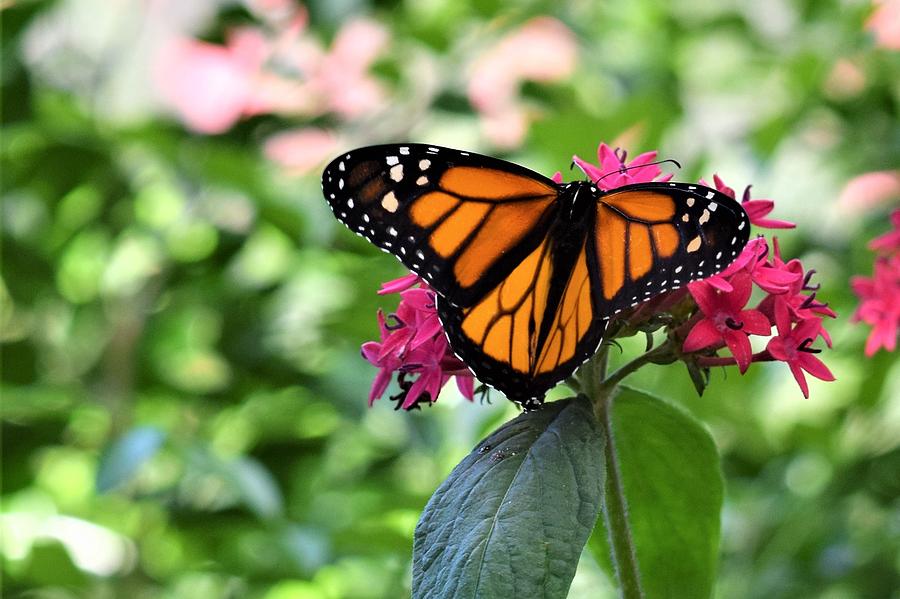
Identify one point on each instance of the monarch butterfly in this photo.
(528, 271)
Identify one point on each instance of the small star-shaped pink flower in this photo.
(725, 320)
(793, 345)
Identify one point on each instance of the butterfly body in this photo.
(528, 271)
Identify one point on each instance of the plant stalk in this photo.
(602, 389)
(616, 377)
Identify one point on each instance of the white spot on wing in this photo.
(713, 206)
(349, 202)
(690, 201)
(392, 160)
(397, 173)
(423, 180)
(389, 202)
(424, 164)
(694, 244)
(704, 218)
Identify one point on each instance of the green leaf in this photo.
(122, 460)
(513, 516)
(662, 500)
(257, 487)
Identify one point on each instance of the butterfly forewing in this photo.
(459, 220)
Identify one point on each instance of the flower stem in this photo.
(763, 356)
(591, 375)
(616, 377)
(602, 389)
(615, 508)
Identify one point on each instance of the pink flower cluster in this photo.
(884, 23)
(542, 50)
(790, 305)
(280, 68)
(880, 294)
(413, 343)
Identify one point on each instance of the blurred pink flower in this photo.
(880, 303)
(885, 24)
(541, 50)
(208, 85)
(301, 150)
(890, 241)
(281, 69)
(845, 80)
(342, 78)
(869, 190)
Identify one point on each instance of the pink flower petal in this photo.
(703, 334)
(398, 285)
(755, 323)
(380, 385)
(739, 345)
(466, 386)
(815, 367)
(800, 378)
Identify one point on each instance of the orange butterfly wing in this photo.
(461, 221)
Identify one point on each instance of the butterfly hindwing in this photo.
(460, 220)
(535, 327)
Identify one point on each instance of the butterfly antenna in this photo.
(623, 169)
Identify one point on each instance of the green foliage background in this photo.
(183, 402)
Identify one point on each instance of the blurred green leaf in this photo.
(664, 484)
(121, 461)
(257, 487)
(513, 516)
